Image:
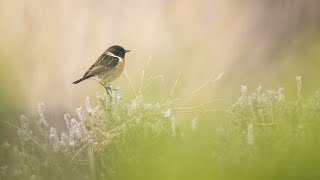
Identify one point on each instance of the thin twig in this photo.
(12, 125)
(195, 91)
(107, 139)
(175, 85)
(134, 91)
(78, 152)
(141, 81)
(148, 64)
(151, 80)
(197, 110)
(200, 106)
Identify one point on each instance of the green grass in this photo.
(261, 136)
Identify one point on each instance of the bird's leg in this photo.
(109, 94)
(108, 90)
(112, 89)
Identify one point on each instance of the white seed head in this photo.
(299, 85)
(53, 133)
(243, 89)
(281, 94)
(250, 134)
(80, 114)
(65, 138)
(167, 113)
(67, 118)
(41, 109)
(88, 104)
(24, 122)
(194, 124)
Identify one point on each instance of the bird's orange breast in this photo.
(112, 74)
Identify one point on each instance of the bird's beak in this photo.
(128, 51)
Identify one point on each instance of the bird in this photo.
(107, 68)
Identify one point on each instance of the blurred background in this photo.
(46, 45)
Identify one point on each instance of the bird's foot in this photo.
(112, 89)
(109, 91)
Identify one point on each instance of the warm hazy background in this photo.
(46, 45)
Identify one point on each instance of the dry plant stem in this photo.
(148, 80)
(33, 140)
(201, 107)
(107, 140)
(132, 87)
(198, 110)
(175, 85)
(79, 151)
(92, 163)
(113, 132)
(193, 92)
(149, 61)
(151, 80)
(143, 85)
(141, 81)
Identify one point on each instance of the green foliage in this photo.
(261, 136)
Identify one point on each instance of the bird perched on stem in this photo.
(107, 68)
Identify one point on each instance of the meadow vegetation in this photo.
(262, 135)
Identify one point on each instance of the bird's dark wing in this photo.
(103, 63)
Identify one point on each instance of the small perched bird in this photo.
(107, 68)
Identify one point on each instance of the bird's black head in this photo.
(118, 51)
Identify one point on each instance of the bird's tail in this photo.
(79, 80)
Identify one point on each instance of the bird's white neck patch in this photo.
(111, 54)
